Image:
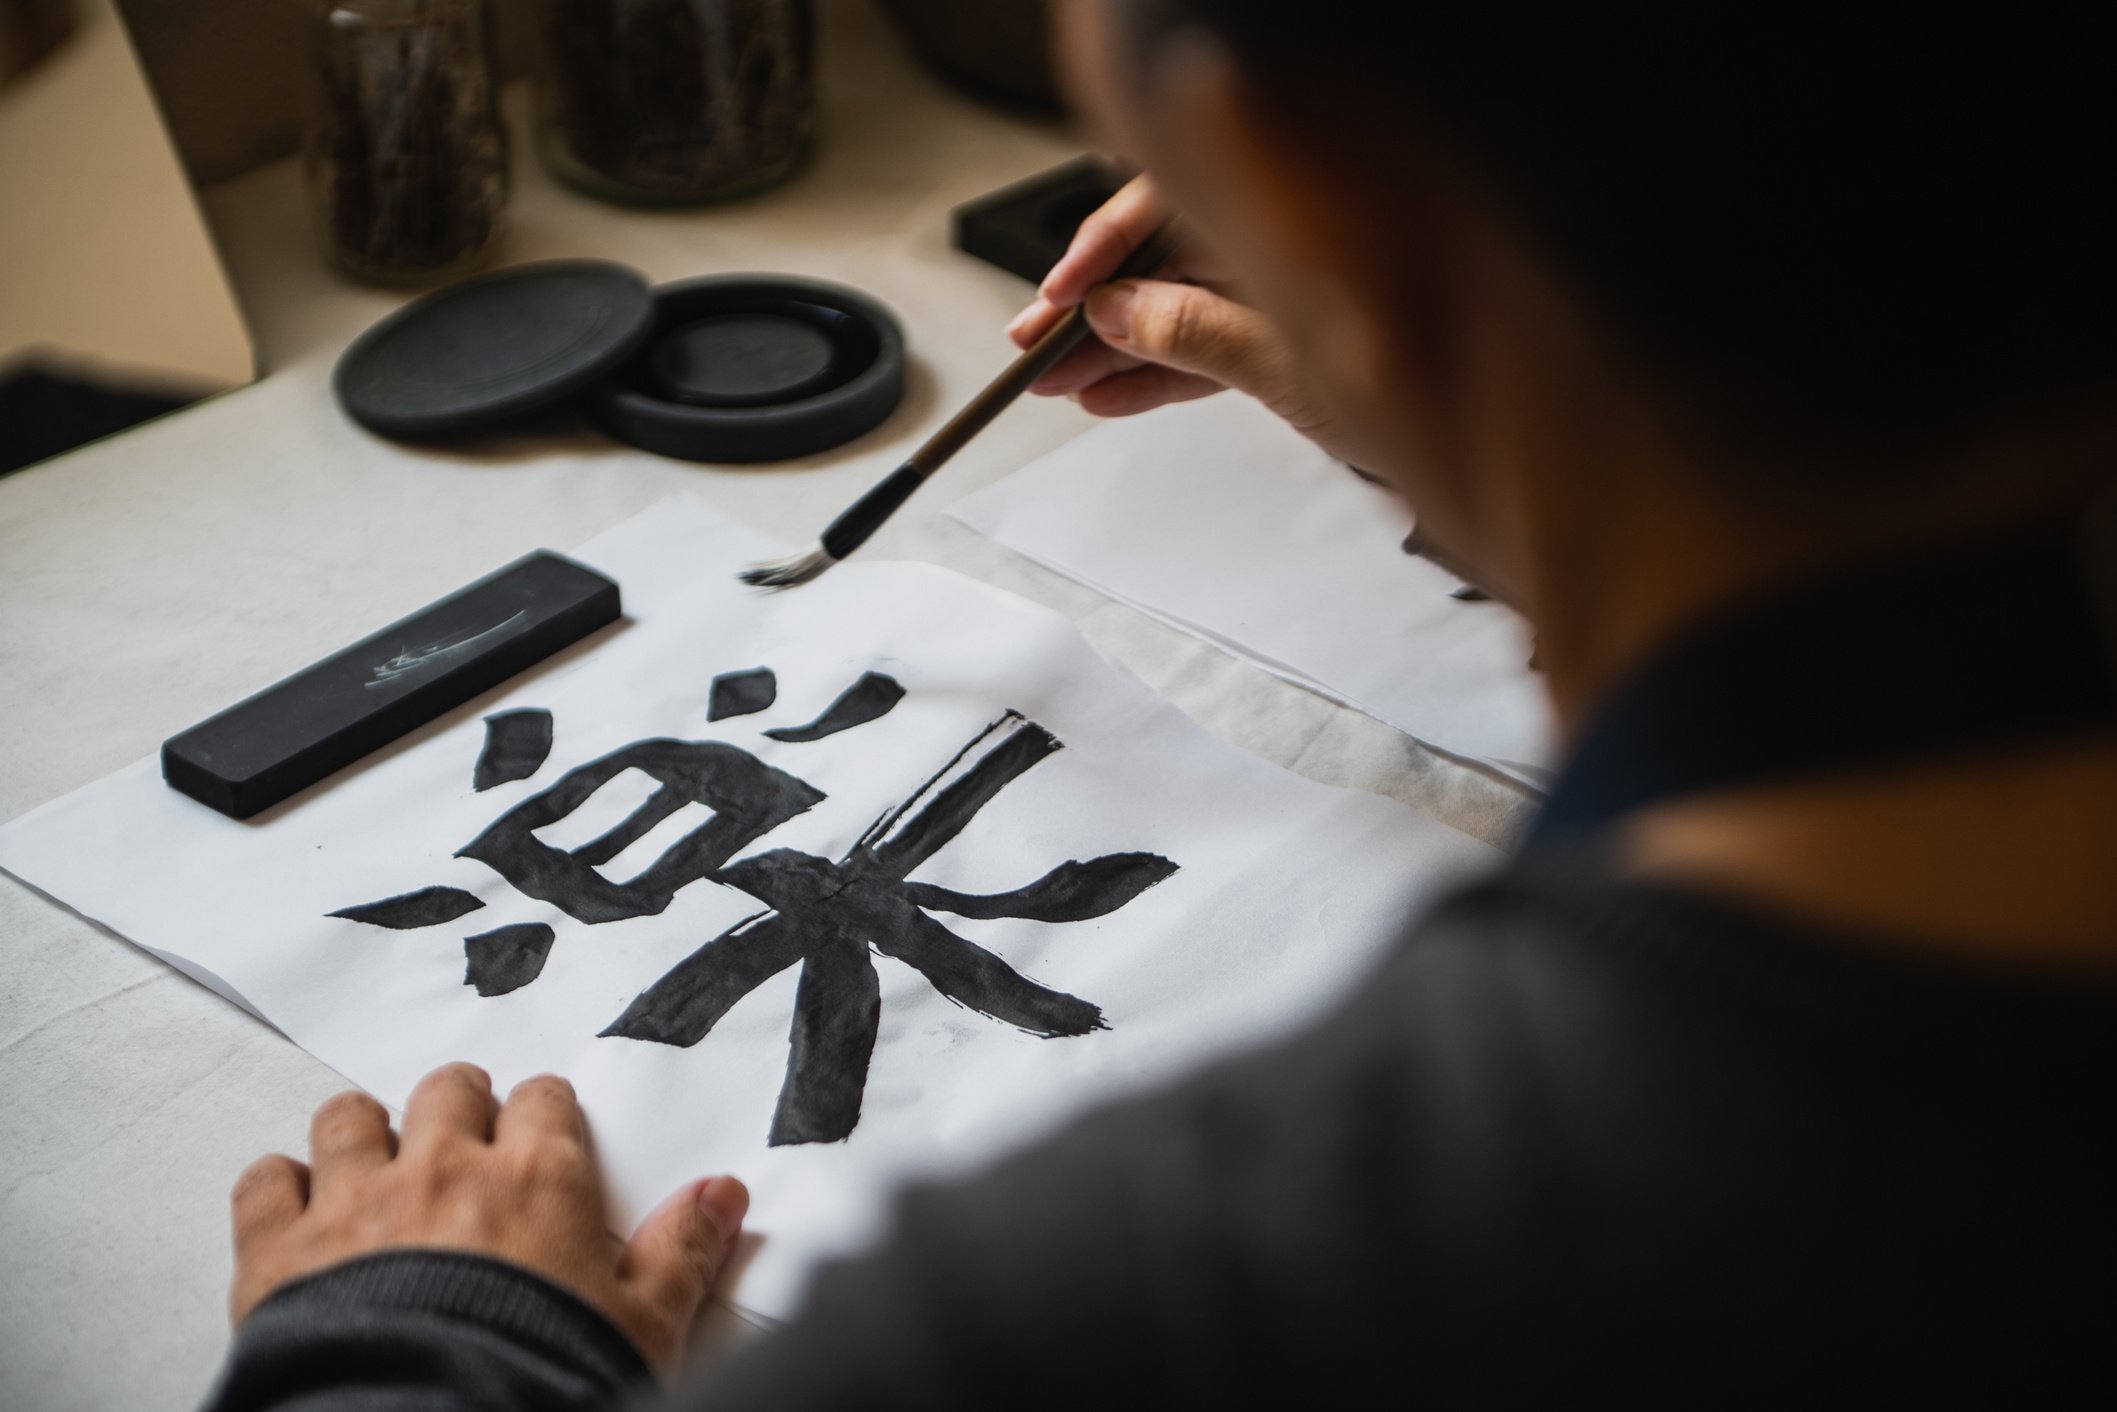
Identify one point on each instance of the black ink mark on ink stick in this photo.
(868, 699)
(826, 916)
(741, 693)
(516, 743)
(506, 958)
(428, 907)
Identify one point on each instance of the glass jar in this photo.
(407, 159)
(674, 101)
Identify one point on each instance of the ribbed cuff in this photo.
(499, 1297)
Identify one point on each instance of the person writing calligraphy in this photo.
(1762, 357)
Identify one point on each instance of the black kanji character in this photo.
(827, 917)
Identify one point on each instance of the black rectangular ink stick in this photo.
(318, 721)
(1024, 228)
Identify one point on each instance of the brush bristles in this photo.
(785, 573)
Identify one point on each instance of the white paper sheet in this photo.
(1283, 890)
(1219, 519)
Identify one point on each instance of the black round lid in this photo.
(492, 348)
(755, 368)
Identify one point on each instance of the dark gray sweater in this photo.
(1577, 1137)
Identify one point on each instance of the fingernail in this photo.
(724, 1200)
(1014, 324)
(1110, 309)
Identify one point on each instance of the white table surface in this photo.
(149, 580)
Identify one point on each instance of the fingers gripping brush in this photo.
(867, 514)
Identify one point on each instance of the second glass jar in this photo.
(674, 101)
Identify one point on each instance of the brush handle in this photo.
(1038, 359)
(867, 514)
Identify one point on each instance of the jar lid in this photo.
(490, 349)
(754, 368)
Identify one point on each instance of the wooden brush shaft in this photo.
(1040, 358)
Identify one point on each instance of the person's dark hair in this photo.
(1848, 225)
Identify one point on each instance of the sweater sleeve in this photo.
(1197, 1245)
(1661, 1151)
(426, 1331)
(1216, 1243)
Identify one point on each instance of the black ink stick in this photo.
(316, 722)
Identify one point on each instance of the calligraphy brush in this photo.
(867, 514)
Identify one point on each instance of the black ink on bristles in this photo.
(787, 572)
(845, 534)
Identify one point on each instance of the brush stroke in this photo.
(684, 1005)
(506, 958)
(830, 917)
(516, 745)
(1021, 745)
(868, 699)
(1072, 892)
(837, 1013)
(428, 907)
(749, 799)
(974, 978)
(636, 826)
(741, 693)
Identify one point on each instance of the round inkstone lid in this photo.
(487, 350)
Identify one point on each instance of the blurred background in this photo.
(233, 76)
(114, 304)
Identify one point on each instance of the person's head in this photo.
(1833, 254)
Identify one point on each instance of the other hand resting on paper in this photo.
(510, 1181)
(1175, 338)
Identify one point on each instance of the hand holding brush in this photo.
(864, 516)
